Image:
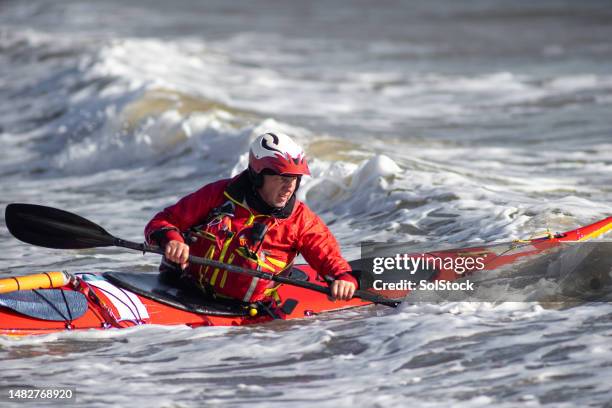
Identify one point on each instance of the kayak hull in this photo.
(117, 300)
(132, 309)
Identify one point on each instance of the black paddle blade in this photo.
(54, 228)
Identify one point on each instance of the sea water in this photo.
(426, 123)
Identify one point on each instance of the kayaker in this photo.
(253, 220)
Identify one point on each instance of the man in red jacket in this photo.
(252, 220)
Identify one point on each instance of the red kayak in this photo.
(120, 299)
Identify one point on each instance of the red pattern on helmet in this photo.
(280, 164)
(273, 152)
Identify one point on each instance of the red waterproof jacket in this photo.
(218, 225)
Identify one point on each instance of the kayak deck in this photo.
(140, 298)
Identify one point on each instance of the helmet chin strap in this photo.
(257, 179)
(297, 184)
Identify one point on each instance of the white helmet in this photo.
(278, 153)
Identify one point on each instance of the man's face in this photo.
(277, 190)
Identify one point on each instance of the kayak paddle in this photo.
(54, 228)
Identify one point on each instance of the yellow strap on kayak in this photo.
(45, 280)
(537, 235)
(273, 293)
(597, 232)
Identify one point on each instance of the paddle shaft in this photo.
(362, 294)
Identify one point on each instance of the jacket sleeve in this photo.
(321, 250)
(190, 210)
